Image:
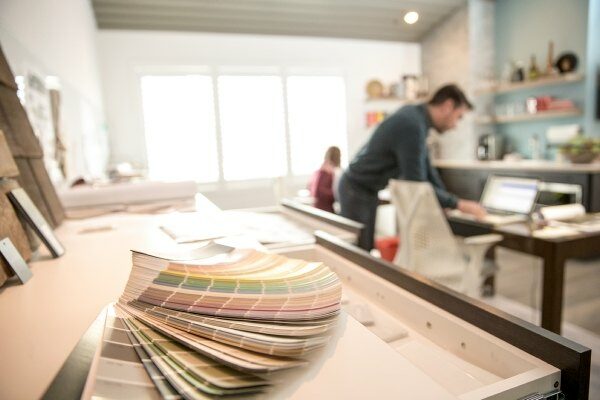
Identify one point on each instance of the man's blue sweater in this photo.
(397, 149)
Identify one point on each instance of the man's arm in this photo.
(446, 199)
(413, 160)
(466, 206)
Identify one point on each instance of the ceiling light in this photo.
(411, 17)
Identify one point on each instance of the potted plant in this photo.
(581, 149)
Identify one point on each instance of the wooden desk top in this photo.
(523, 230)
(43, 320)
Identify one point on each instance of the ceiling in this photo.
(359, 19)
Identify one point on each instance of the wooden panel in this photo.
(8, 168)
(51, 200)
(36, 182)
(7, 78)
(28, 182)
(27, 151)
(15, 124)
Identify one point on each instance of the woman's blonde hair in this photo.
(333, 155)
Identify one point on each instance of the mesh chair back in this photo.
(427, 245)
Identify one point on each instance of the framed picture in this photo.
(35, 219)
(13, 258)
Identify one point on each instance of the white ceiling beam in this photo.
(378, 19)
(161, 24)
(303, 6)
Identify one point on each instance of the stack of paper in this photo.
(214, 326)
(267, 228)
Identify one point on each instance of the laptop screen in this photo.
(510, 194)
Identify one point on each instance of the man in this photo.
(397, 149)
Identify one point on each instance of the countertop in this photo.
(528, 165)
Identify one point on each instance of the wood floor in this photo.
(519, 280)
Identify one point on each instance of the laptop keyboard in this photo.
(499, 212)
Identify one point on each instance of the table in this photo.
(44, 319)
(554, 253)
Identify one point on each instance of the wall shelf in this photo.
(541, 82)
(483, 120)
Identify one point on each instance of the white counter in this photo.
(523, 165)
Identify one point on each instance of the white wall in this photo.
(446, 60)
(122, 53)
(461, 50)
(58, 38)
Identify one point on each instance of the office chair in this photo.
(428, 245)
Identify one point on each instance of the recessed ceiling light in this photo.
(411, 17)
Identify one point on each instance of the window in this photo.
(179, 121)
(317, 119)
(250, 140)
(252, 127)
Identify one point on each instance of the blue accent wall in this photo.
(523, 28)
(592, 122)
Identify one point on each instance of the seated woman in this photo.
(322, 183)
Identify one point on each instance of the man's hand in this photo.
(471, 207)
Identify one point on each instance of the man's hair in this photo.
(453, 93)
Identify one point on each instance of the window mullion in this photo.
(220, 160)
(288, 145)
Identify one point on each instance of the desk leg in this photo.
(552, 291)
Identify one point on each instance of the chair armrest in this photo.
(474, 249)
(489, 239)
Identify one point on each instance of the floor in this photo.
(518, 286)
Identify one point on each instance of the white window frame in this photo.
(214, 71)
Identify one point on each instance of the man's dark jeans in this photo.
(359, 205)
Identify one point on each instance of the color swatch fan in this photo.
(223, 324)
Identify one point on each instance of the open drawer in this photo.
(470, 349)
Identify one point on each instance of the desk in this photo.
(554, 253)
(47, 316)
(44, 319)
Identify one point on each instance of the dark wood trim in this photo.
(70, 380)
(595, 185)
(330, 218)
(571, 358)
(552, 289)
(466, 228)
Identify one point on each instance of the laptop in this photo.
(507, 199)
